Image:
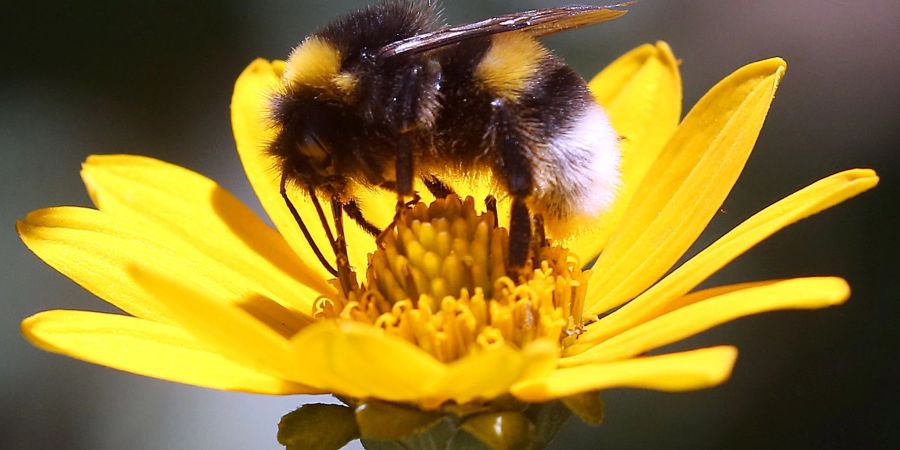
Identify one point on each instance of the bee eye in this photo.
(315, 152)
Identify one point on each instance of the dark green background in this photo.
(78, 78)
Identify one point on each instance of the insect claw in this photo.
(412, 202)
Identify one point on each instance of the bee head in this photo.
(337, 96)
(311, 112)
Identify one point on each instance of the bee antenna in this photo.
(338, 241)
(321, 213)
(306, 234)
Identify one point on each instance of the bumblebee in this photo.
(386, 95)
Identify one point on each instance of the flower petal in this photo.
(378, 205)
(540, 358)
(695, 369)
(187, 208)
(361, 361)
(661, 298)
(641, 93)
(96, 250)
(485, 374)
(222, 325)
(147, 348)
(686, 185)
(359, 245)
(799, 293)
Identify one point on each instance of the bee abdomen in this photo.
(566, 139)
(574, 151)
(510, 65)
(577, 172)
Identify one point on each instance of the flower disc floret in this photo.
(439, 280)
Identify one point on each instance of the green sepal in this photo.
(587, 406)
(439, 436)
(547, 418)
(385, 421)
(318, 426)
(502, 431)
(465, 441)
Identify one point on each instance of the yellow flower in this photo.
(214, 297)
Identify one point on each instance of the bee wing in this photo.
(539, 22)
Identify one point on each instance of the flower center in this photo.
(439, 280)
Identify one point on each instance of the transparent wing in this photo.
(539, 22)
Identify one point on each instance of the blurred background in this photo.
(155, 78)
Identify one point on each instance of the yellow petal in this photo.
(540, 358)
(686, 185)
(485, 374)
(799, 293)
(147, 348)
(190, 210)
(96, 250)
(641, 93)
(696, 369)
(378, 205)
(222, 325)
(661, 298)
(359, 245)
(361, 361)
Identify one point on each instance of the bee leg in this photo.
(514, 167)
(490, 204)
(324, 221)
(402, 205)
(539, 240)
(404, 179)
(354, 212)
(526, 236)
(438, 188)
(416, 198)
(519, 235)
(404, 169)
(345, 274)
(304, 229)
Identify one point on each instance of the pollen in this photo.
(439, 280)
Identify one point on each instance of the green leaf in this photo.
(318, 426)
(385, 421)
(587, 406)
(502, 431)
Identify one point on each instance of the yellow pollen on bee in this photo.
(510, 63)
(314, 63)
(439, 280)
